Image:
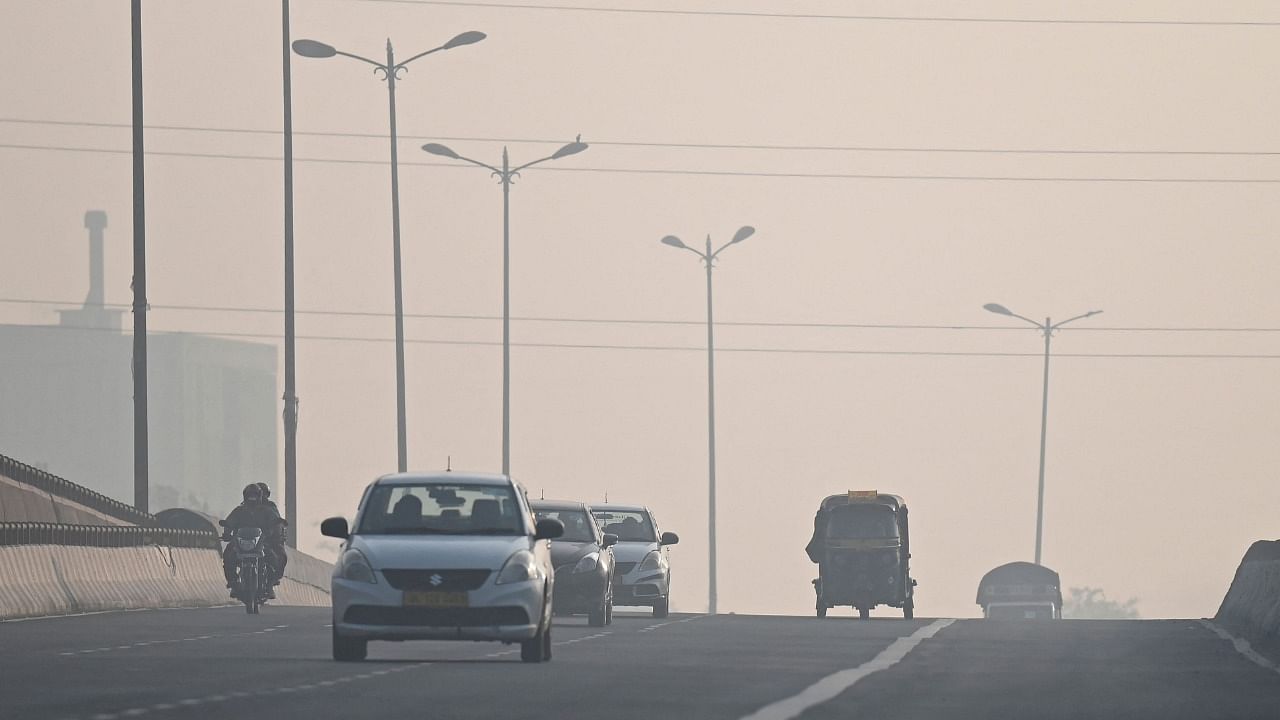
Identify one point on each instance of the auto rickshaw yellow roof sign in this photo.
(863, 495)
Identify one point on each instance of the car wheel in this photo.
(661, 608)
(532, 650)
(349, 649)
(546, 644)
(608, 613)
(599, 615)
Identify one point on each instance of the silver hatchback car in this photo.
(445, 556)
(642, 575)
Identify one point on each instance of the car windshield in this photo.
(628, 525)
(577, 524)
(441, 509)
(862, 522)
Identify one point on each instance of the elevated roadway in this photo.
(222, 663)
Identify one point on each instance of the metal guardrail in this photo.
(24, 533)
(68, 490)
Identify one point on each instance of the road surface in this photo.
(223, 663)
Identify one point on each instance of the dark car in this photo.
(583, 561)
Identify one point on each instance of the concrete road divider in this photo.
(38, 580)
(1251, 608)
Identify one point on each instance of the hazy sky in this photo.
(1160, 471)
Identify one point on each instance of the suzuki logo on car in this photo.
(436, 580)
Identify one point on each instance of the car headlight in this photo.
(652, 561)
(521, 566)
(587, 563)
(355, 566)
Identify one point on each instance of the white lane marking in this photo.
(1241, 645)
(836, 683)
(651, 628)
(174, 640)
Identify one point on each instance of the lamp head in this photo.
(467, 38)
(441, 150)
(743, 233)
(673, 241)
(997, 309)
(572, 148)
(313, 49)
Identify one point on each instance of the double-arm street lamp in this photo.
(390, 73)
(1047, 327)
(506, 175)
(708, 260)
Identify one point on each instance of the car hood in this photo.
(633, 551)
(439, 551)
(565, 553)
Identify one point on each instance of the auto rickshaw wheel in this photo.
(822, 610)
(864, 613)
(909, 609)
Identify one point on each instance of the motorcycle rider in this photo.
(276, 540)
(253, 512)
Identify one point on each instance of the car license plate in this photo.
(435, 599)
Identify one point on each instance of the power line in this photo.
(687, 172)
(828, 16)
(655, 144)
(702, 349)
(644, 321)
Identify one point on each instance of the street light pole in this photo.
(402, 437)
(390, 73)
(141, 456)
(506, 176)
(711, 442)
(290, 389)
(1048, 328)
(708, 260)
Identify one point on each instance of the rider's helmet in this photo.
(266, 491)
(252, 493)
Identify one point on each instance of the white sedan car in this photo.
(445, 556)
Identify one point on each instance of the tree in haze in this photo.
(1086, 603)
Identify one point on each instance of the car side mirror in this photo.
(335, 527)
(609, 540)
(548, 529)
(669, 538)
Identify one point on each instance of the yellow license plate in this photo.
(435, 599)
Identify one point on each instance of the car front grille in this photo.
(435, 617)
(436, 580)
(623, 568)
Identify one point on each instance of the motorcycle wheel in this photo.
(864, 613)
(249, 592)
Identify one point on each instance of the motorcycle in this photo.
(252, 568)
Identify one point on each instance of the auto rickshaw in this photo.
(1020, 591)
(862, 545)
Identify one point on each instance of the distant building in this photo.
(66, 403)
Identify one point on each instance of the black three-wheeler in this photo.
(862, 545)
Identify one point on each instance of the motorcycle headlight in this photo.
(587, 563)
(247, 544)
(354, 566)
(652, 561)
(520, 567)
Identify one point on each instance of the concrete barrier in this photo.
(38, 580)
(1251, 608)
